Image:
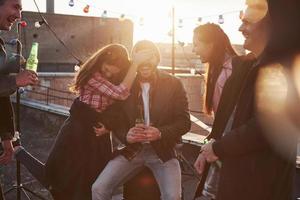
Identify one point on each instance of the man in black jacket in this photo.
(258, 162)
(10, 11)
(161, 100)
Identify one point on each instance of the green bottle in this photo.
(32, 61)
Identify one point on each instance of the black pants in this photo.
(1, 193)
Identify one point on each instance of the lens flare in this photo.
(274, 100)
(255, 10)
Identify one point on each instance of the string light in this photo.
(221, 19)
(180, 23)
(199, 20)
(77, 68)
(38, 24)
(86, 9)
(23, 23)
(141, 22)
(122, 17)
(104, 14)
(71, 3)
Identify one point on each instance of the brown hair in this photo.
(113, 54)
(212, 33)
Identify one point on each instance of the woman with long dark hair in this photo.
(78, 153)
(214, 48)
(226, 73)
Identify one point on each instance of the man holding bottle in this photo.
(162, 101)
(10, 12)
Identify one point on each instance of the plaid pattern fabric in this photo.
(99, 93)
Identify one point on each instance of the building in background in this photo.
(82, 35)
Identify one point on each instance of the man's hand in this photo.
(6, 157)
(136, 134)
(208, 152)
(152, 133)
(26, 77)
(200, 164)
(100, 129)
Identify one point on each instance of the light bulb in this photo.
(141, 22)
(86, 9)
(71, 3)
(23, 23)
(122, 17)
(199, 20)
(76, 68)
(221, 19)
(180, 23)
(104, 14)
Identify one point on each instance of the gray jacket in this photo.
(7, 87)
(7, 82)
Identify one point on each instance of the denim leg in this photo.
(33, 165)
(116, 172)
(167, 175)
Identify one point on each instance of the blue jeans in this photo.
(119, 170)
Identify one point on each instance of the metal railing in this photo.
(47, 95)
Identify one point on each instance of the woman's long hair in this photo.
(212, 33)
(113, 54)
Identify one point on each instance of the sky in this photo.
(156, 15)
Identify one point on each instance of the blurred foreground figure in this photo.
(258, 155)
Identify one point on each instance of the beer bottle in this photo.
(32, 61)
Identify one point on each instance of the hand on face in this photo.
(142, 56)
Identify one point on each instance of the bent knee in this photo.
(171, 196)
(100, 191)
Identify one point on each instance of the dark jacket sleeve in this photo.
(114, 120)
(242, 140)
(7, 82)
(181, 123)
(6, 119)
(7, 85)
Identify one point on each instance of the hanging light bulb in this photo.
(104, 14)
(76, 67)
(71, 3)
(181, 43)
(23, 23)
(38, 24)
(180, 23)
(141, 22)
(199, 20)
(86, 9)
(122, 17)
(221, 19)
